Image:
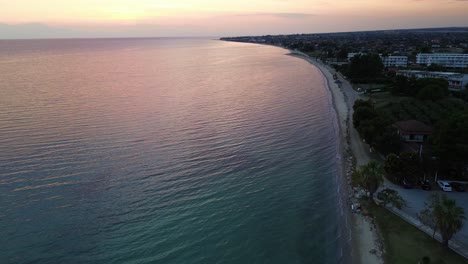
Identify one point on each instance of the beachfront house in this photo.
(413, 131)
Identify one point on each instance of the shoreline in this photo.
(362, 241)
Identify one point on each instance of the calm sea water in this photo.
(165, 151)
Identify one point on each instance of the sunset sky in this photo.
(133, 18)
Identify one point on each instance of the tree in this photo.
(425, 49)
(443, 215)
(435, 67)
(363, 113)
(392, 167)
(361, 103)
(369, 176)
(450, 142)
(410, 166)
(432, 88)
(389, 141)
(390, 196)
(372, 129)
(405, 86)
(365, 67)
(400, 85)
(342, 54)
(425, 260)
(373, 126)
(426, 217)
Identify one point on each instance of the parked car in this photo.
(457, 186)
(444, 186)
(407, 184)
(425, 185)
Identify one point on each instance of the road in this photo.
(416, 198)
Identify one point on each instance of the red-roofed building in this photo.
(413, 130)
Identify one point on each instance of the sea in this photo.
(166, 151)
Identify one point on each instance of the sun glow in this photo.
(125, 14)
(214, 17)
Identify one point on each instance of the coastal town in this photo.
(401, 100)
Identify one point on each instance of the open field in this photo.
(405, 243)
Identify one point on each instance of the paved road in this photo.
(360, 149)
(417, 197)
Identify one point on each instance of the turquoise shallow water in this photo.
(165, 151)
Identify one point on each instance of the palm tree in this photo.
(369, 177)
(449, 218)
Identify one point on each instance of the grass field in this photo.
(405, 243)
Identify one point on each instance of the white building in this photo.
(395, 61)
(445, 59)
(456, 81)
(388, 61)
(352, 54)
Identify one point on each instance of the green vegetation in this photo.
(406, 165)
(390, 196)
(405, 243)
(443, 215)
(423, 89)
(450, 141)
(369, 177)
(392, 167)
(463, 95)
(365, 68)
(302, 46)
(375, 127)
(428, 112)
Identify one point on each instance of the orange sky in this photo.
(215, 18)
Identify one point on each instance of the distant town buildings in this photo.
(457, 81)
(444, 59)
(388, 61)
(395, 61)
(352, 54)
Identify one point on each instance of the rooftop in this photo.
(431, 72)
(413, 127)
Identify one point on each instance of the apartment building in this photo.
(388, 61)
(449, 60)
(456, 81)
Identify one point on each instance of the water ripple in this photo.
(164, 151)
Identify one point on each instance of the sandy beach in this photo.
(363, 238)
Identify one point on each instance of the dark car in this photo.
(458, 186)
(425, 185)
(407, 184)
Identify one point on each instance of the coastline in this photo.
(362, 240)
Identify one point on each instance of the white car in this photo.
(445, 186)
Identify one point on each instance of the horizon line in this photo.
(465, 29)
